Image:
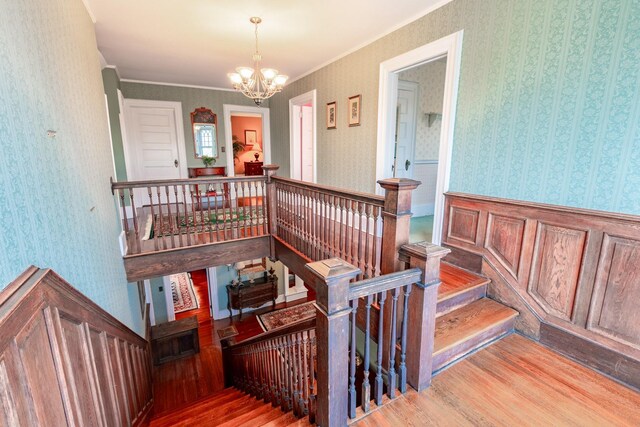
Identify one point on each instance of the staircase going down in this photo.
(466, 321)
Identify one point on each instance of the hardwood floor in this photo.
(514, 382)
(178, 384)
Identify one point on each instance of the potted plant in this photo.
(238, 147)
(208, 161)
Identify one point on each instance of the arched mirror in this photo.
(205, 132)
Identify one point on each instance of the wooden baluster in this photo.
(355, 230)
(216, 212)
(253, 221)
(333, 252)
(391, 392)
(273, 378)
(296, 375)
(293, 374)
(307, 224)
(134, 214)
(378, 384)
(265, 373)
(283, 382)
(367, 250)
(207, 222)
(186, 216)
(376, 225)
(312, 376)
(172, 220)
(348, 232)
(366, 385)
(301, 377)
(153, 220)
(305, 372)
(402, 370)
(340, 225)
(360, 246)
(161, 217)
(352, 359)
(178, 221)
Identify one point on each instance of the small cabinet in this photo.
(250, 294)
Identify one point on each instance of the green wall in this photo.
(191, 98)
(548, 105)
(56, 207)
(111, 83)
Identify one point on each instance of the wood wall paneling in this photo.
(504, 239)
(614, 311)
(573, 269)
(58, 363)
(463, 225)
(557, 263)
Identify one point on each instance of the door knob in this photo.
(175, 163)
(406, 165)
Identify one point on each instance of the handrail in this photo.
(125, 185)
(303, 325)
(384, 283)
(372, 199)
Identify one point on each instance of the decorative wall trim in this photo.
(148, 82)
(228, 110)
(576, 270)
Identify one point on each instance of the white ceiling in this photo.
(197, 42)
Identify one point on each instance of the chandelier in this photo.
(257, 83)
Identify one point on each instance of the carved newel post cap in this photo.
(423, 250)
(333, 269)
(399, 183)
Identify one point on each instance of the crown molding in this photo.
(89, 11)
(147, 82)
(114, 68)
(374, 39)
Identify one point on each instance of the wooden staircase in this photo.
(466, 321)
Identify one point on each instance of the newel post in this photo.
(272, 201)
(332, 279)
(422, 310)
(397, 219)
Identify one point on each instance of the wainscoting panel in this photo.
(575, 269)
(557, 262)
(616, 295)
(61, 361)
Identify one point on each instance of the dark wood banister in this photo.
(340, 192)
(384, 283)
(304, 325)
(125, 185)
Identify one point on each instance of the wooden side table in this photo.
(252, 168)
(252, 295)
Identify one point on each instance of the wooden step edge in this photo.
(463, 290)
(284, 419)
(245, 416)
(204, 407)
(507, 315)
(218, 395)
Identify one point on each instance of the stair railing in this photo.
(278, 366)
(168, 214)
(344, 307)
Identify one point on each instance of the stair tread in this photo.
(455, 280)
(263, 419)
(283, 420)
(216, 399)
(249, 416)
(469, 321)
(208, 409)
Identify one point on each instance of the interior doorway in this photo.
(390, 161)
(256, 141)
(302, 137)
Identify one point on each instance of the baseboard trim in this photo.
(609, 362)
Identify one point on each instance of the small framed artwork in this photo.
(354, 110)
(250, 137)
(331, 115)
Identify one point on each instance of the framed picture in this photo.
(354, 110)
(250, 137)
(331, 115)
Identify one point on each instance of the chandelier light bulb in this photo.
(269, 73)
(235, 78)
(245, 72)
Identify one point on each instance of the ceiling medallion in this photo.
(257, 83)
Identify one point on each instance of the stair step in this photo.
(205, 412)
(458, 288)
(468, 328)
(206, 403)
(264, 419)
(282, 420)
(245, 415)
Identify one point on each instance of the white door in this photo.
(154, 143)
(405, 129)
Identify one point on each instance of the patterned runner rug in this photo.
(184, 296)
(286, 316)
(202, 222)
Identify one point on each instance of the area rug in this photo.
(228, 332)
(202, 222)
(184, 296)
(286, 316)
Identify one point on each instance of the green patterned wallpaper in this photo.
(548, 107)
(56, 207)
(191, 98)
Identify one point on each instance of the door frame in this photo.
(228, 110)
(299, 101)
(451, 47)
(127, 146)
(168, 297)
